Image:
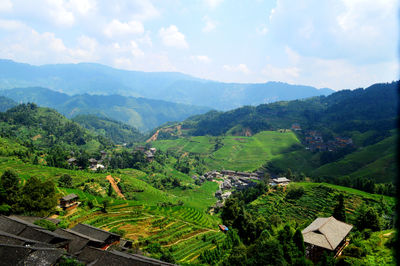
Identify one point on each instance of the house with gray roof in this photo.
(95, 233)
(325, 235)
(94, 257)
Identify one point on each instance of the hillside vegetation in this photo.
(238, 153)
(144, 114)
(117, 131)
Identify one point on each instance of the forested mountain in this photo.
(141, 113)
(117, 131)
(44, 128)
(168, 86)
(373, 108)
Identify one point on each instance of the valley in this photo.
(163, 191)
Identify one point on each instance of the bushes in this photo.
(294, 192)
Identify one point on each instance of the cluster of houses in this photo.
(315, 142)
(24, 243)
(228, 180)
(93, 163)
(149, 153)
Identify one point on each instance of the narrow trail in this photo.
(154, 137)
(115, 187)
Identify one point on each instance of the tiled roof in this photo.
(19, 255)
(69, 197)
(93, 232)
(94, 257)
(326, 232)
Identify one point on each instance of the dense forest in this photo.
(373, 108)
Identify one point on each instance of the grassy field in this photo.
(237, 153)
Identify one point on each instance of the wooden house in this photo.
(280, 181)
(325, 235)
(69, 202)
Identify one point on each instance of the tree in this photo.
(106, 203)
(9, 187)
(367, 218)
(110, 190)
(38, 198)
(339, 212)
(299, 242)
(65, 181)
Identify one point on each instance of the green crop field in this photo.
(186, 232)
(199, 145)
(237, 153)
(318, 200)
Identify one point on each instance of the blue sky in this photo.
(340, 44)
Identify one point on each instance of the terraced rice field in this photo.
(186, 232)
(318, 200)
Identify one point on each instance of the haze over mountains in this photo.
(91, 78)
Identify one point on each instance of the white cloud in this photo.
(135, 50)
(5, 5)
(172, 37)
(146, 10)
(118, 28)
(145, 39)
(213, 3)
(209, 24)
(200, 58)
(83, 6)
(60, 13)
(332, 73)
(237, 68)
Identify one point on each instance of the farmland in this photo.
(318, 200)
(236, 153)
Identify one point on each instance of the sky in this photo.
(338, 44)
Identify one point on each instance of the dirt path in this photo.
(154, 137)
(115, 187)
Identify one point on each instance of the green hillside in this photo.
(318, 200)
(144, 114)
(44, 128)
(117, 131)
(377, 161)
(234, 152)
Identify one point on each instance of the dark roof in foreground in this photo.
(326, 232)
(20, 255)
(78, 241)
(94, 256)
(93, 232)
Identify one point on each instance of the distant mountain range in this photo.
(168, 86)
(144, 114)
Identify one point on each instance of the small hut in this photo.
(69, 201)
(325, 235)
